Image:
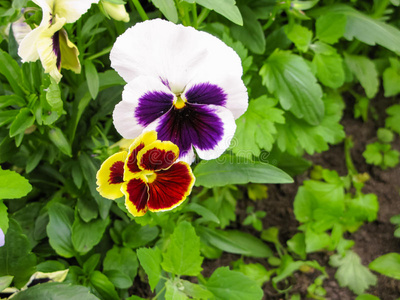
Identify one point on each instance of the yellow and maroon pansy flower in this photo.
(148, 175)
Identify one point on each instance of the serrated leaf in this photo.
(92, 78)
(183, 254)
(150, 260)
(251, 33)
(351, 273)
(22, 121)
(55, 291)
(256, 127)
(229, 169)
(299, 35)
(226, 8)
(365, 71)
(13, 185)
(295, 135)
(364, 207)
(123, 259)
(16, 258)
(289, 78)
(393, 120)
(329, 69)
(168, 9)
(388, 265)
(231, 285)
(391, 78)
(59, 229)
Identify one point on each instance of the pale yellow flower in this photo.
(115, 11)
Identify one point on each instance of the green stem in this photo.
(194, 15)
(348, 145)
(186, 18)
(379, 8)
(159, 293)
(271, 18)
(101, 53)
(201, 279)
(140, 10)
(203, 15)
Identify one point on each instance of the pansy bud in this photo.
(115, 11)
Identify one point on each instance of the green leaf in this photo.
(92, 78)
(59, 229)
(55, 291)
(16, 258)
(13, 185)
(364, 207)
(12, 71)
(135, 236)
(231, 285)
(391, 78)
(3, 218)
(234, 241)
(207, 214)
(393, 120)
(289, 78)
(251, 33)
(173, 292)
(168, 9)
(256, 127)
(229, 169)
(226, 8)
(223, 205)
(352, 273)
(195, 291)
(85, 236)
(150, 260)
(388, 265)
(103, 286)
(364, 70)
(9, 100)
(22, 121)
(5, 282)
(362, 27)
(329, 69)
(122, 259)
(385, 135)
(299, 35)
(330, 27)
(297, 245)
(57, 137)
(119, 279)
(391, 159)
(256, 272)
(295, 135)
(183, 254)
(372, 153)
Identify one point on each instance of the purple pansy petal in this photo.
(144, 99)
(153, 105)
(195, 125)
(206, 93)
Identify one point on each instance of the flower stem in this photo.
(194, 14)
(203, 15)
(140, 10)
(101, 53)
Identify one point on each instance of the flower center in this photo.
(179, 101)
(151, 177)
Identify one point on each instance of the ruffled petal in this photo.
(111, 176)
(48, 46)
(131, 167)
(158, 156)
(171, 187)
(172, 52)
(27, 49)
(71, 10)
(69, 53)
(144, 100)
(209, 128)
(136, 196)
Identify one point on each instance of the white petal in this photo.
(27, 49)
(172, 52)
(71, 10)
(229, 127)
(124, 117)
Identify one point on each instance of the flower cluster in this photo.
(184, 86)
(149, 176)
